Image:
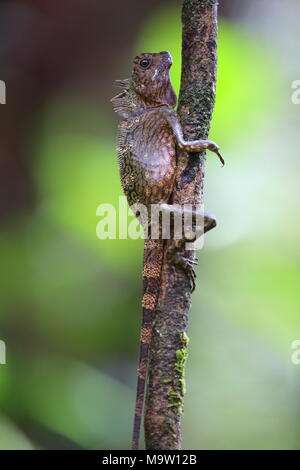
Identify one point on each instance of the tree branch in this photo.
(166, 386)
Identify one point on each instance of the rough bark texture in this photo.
(168, 353)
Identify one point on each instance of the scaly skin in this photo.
(150, 137)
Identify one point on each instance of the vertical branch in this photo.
(166, 385)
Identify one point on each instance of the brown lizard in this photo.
(150, 140)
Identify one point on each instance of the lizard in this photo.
(150, 139)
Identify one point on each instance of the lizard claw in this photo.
(186, 264)
(221, 158)
(213, 147)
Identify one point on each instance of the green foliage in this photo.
(11, 438)
(75, 400)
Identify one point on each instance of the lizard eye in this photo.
(144, 63)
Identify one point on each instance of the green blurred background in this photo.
(70, 303)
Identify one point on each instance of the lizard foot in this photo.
(186, 264)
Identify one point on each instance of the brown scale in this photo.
(149, 137)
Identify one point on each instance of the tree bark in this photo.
(166, 383)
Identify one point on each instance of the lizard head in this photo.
(151, 78)
(149, 85)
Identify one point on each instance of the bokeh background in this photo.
(70, 303)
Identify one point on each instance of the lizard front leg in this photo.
(190, 145)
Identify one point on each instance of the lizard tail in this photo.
(152, 266)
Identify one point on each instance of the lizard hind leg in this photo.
(207, 221)
(176, 251)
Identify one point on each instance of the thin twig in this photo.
(168, 354)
